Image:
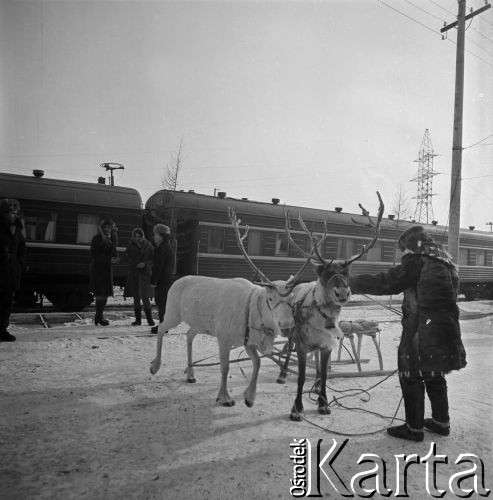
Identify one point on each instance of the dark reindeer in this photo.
(317, 306)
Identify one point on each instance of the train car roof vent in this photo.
(244, 199)
(101, 180)
(391, 216)
(338, 210)
(275, 201)
(191, 191)
(221, 194)
(472, 228)
(38, 173)
(434, 222)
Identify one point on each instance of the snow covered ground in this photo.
(81, 416)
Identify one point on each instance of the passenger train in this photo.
(60, 218)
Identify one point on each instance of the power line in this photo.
(409, 17)
(440, 19)
(432, 30)
(423, 10)
(443, 8)
(479, 191)
(479, 142)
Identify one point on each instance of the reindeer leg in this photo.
(288, 347)
(156, 362)
(223, 398)
(251, 390)
(189, 369)
(323, 404)
(297, 409)
(316, 387)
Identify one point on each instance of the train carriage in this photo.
(206, 243)
(60, 218)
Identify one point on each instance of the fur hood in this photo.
(416, 240)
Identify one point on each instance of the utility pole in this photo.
(455, 185)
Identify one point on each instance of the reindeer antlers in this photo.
(376, 227)
(239, 238)
(314, 244)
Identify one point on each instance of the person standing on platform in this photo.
(162, 269)
(431, 344)
(103, 256)
(12, 261)
(140, 254)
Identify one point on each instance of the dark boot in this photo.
(437, 427)
(138, 317)
(404, 432)
(98, 318)
(148, 313)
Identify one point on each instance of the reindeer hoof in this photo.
(249, 403)
(295, 417)
(226, 403)
(282, 378)
(324, 410)
(191, 380)
(154, 368)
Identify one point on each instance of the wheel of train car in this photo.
(70, 301)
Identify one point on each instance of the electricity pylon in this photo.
(424, 208)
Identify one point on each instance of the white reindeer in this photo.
(235, 311)
(317, 308)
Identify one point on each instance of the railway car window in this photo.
(254, 242)
(489, 258)
(87, 227)
(40, 226)
(358, 246)
(388, 252)
(308, 245)
(476, 257)
(345, 248)
(330, 248)
(282, 245)
(375, 253)
(216, 240)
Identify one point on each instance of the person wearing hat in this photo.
(431, 344)
(12, 261)
(162, 269)
(139, 254)
(103, 255)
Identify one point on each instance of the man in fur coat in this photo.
(431, 344)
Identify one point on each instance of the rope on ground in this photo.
(336, 402)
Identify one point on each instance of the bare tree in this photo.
(401, 206)
(170, 178)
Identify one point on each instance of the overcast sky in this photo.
(317, 103)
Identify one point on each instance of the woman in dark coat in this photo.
(12, 261)
(139, 254)
(103, 255)
(431, 344)
(162, 269)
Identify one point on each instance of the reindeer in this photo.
(235, 311)
(317, 308)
